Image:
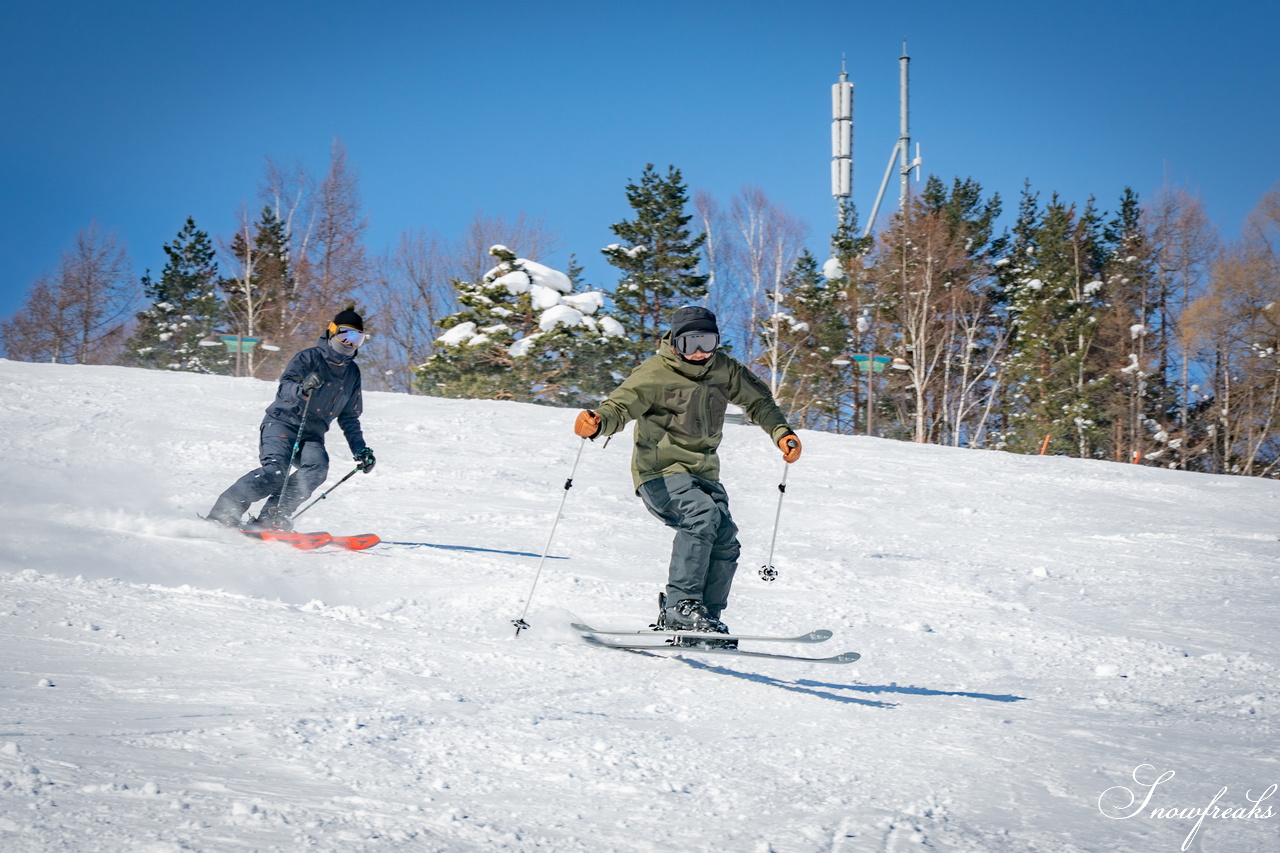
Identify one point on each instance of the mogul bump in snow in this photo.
(678, 398)
(320, 383)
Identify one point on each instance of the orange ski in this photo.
(301, 541)
(354, 543)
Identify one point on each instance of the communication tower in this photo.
(842, 142)
(901, 149)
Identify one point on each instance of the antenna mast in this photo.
(842, 142)
(901, 149)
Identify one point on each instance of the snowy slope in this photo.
(1032, 630)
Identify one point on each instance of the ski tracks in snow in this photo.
(1032, 630)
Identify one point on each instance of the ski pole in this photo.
(326, 493)
(767, 571)
(297, 443)
(568, 484)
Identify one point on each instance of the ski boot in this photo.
(267, 521)
(691, 615)
(660, 624)
(688, 614)
(668, 621)
(720, 628)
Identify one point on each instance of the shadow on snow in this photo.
(470, 548)
(822, 690)
(915, 691)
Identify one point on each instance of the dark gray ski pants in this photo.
(704, 555)
(275, 447)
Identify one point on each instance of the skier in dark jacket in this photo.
(678, 398)
(323, 381)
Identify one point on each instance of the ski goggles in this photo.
(690, 342)
(346, 334)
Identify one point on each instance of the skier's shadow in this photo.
(822, 689)
(470, 548)
(916, 691)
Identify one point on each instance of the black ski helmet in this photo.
(693, 318)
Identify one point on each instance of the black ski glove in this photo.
(311, 383)
(364, 460)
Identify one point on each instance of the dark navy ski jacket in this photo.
(339, 397)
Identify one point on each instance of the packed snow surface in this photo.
(1043, 640)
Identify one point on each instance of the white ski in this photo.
(843, 657)
(817, 636)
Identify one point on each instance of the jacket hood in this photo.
(685, 368)
(332, 355)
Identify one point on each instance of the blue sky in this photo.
(139, 114)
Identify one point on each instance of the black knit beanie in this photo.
(348, 317)
(693, 318)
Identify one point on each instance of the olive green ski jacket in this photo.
(679, 410)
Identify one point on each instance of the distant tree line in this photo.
(1134, 335)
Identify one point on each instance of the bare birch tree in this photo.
(769, 241)
(917, 264)
(258, 288)
(526, 236)
(289, 192)
(719, 258)
(411, 293)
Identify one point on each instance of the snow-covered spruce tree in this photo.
(1134, 339)
(524, 333)
(599, 361)
(1054, 287)
(799, 340)
(658, 257)
(183, 308)
(846, 246)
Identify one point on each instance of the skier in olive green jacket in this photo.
(677, 398)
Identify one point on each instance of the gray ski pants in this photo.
(274, 450)
(704, 555)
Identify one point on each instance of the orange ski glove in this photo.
(789, 444)
(587, 424)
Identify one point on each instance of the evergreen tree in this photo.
(599, 361)
(1134, 336)
(184, 308)
(526, 333)
(968, 214)
(658, 258)
(1053, 288)
(846, 245)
